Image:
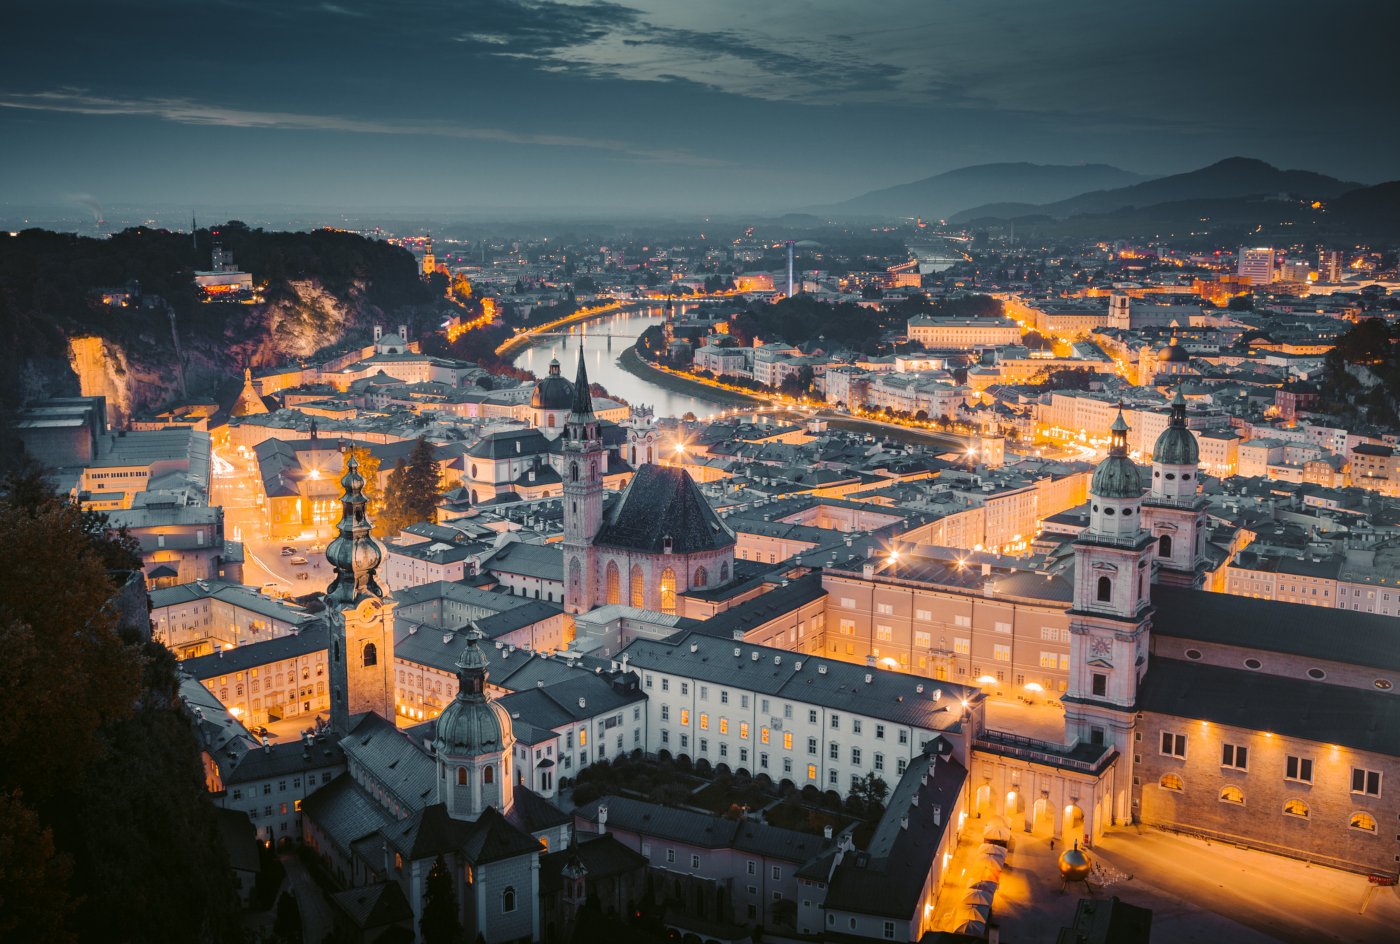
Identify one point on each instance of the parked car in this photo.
(299, 562)
(288, 551)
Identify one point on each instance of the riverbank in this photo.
(633, 363)
(904, 434)
(524, 339)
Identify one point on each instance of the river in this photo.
(604, 340)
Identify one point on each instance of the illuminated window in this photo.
(1232, 795)
(723, 725)
(787, 740)
(704, 721)
(812, 773)
(638, 588)
(1363, 821)
(582, 736)
(1171, 782)
(763, 735)
(744, 730)
(668, 591)
(614, 583)
(1296, 808)
(685, 716)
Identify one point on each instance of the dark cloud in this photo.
(718, 104)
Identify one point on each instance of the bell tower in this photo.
(1173, 513)
(584, 464)
(1110, 620)
(361, 618)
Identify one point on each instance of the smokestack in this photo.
(789, 249)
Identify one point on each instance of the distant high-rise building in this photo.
(1329, 265)
(1257, 264)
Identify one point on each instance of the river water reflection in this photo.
(603, 342)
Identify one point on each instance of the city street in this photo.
(234, 486)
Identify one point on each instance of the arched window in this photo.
(1164, 546)
(614, 583)
(724, 572)
(461, 776)
(1363, 821)
(701, 577)
(638, 594)
(1105, 589)
(668, 591)
(1171, 782)
(1296, 808)
(575, 574)
(573, 471)
(489, 774)
(371, 655)
(508, 899)
(1232, 795)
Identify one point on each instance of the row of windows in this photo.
(282, 786)
(1294, 807)
(1236, 757)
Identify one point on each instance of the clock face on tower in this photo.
(1100, 648)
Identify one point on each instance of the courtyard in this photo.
(1199, 892)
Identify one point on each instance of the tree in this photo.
(369, 470)
(797, 384)
(870, 791)
(422, 484)
(439, 923)
(395, 516)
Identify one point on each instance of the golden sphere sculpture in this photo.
(1074, 864)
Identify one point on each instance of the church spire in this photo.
(583, 398)
(354, 553)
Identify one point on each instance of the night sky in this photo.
(667, 105)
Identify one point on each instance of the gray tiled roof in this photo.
(545, 561)
(888, 877)
(284, 757)
(704, 829)
(344, 812)
(313, 637)
(663, 502)
(400, 763)
(1356, 718)
(892, 696)
(1334, 635)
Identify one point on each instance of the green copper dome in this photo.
(472, 725)
(1177, 445)
(1117, 476)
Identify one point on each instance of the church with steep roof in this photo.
(660, 540)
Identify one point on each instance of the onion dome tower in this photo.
(1111, 617)
(1174, 513)
(474, 742)
(360, 617)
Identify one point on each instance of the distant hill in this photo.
(1370, 209)
(1231, 178)
(943, 195)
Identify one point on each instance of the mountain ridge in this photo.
(942, 195)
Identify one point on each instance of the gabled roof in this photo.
(374, 906)
(660, 503)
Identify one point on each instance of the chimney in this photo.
(938, 816)
(869, 678)
(267, 746)
(602, 819)
(583, 702)
(378, 332)
(826, 832)
(904, 822)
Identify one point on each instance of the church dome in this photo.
(553, 392)
(1177, 445)
(472, 725)
(1117, 476)
(1173, 353)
